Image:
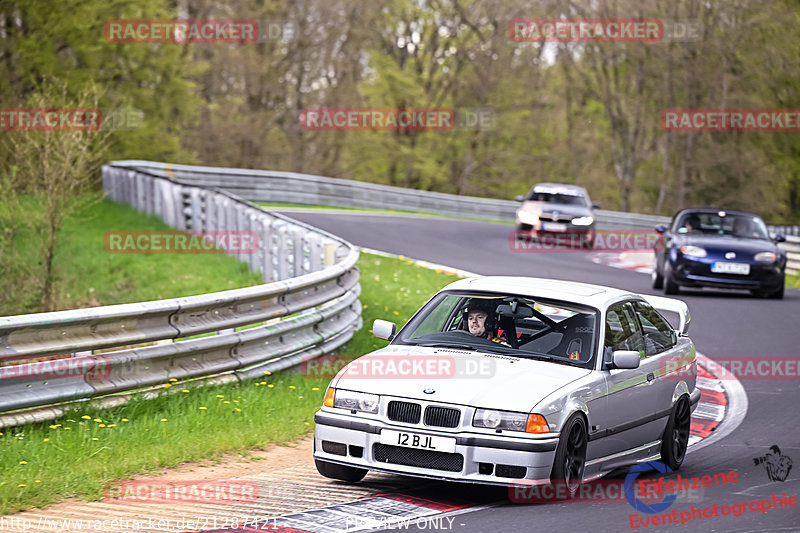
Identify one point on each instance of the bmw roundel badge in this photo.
(428, 391)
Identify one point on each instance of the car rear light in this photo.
(537, 424)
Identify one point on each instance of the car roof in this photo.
(582, 293)
(559, 188)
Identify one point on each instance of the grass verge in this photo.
(792, 281)
(87, 275)
(79, 454)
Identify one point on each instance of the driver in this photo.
(481, 322)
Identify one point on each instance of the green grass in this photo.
(792, 282)
(71, 463)
(87, 275)
(416, 214)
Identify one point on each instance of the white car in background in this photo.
(577, 381)
(558, 209)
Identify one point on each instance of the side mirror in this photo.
(595, 205)
(627, 359)
(519, 198)
(661, 228)
(383, 329)
(780, 238)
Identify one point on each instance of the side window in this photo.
(658, 334)
(622, 329)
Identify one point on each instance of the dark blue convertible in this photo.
(718, 248)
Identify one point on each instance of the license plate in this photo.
(554, 226)
(419, 442)
(721, 267)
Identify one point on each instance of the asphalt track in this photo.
(724, 324)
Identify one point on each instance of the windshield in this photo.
(505, 323)
(735, 225)
(556, 198)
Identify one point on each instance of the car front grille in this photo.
(442, 417)
(450, 462)
(407, 412)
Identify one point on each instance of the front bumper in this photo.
(478, 458)
(697, 273)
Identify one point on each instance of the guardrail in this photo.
(792, 247)
(309, 306)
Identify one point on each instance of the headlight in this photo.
(526, 217)
(582, 221)
(356, 401)
(509, 420)
(695, 251)
(767, 257)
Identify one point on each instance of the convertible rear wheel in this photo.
(676, 434)
(340, 472)
(570, 455)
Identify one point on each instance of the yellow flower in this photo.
(364, 306)
(95, 438)
(226, 401)
(267, 372)
(306, 423)
(112, 425)
(22, 485)
(163, 419)
(167, 385)
(271, 385)
(45, 440)
(54, 426)
(67, 428)
(124, 419)
(263, 382)
(220, 395)
(314, 388)
(238, 410)
(185, 390)
(204, 408)
(37, 480)
(86, 417)
(23, 462)
(235, 401)
(291, 386)
(98, 419)
(173, 379)
(395, 312)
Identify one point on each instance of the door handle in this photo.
(650, 377)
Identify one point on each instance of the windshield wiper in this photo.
(447, 345)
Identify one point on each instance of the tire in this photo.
(656, 279)
(670, 287)
(676, 435)
(777, 294)
(340, 472)
(570, 459)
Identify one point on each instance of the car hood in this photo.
(744, 248)
(568, 211)
(471, 378)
